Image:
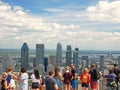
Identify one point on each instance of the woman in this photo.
(36, 80)
(23, 78)
(10, 78)
(58, 77)
(67, 79)
(4, 83)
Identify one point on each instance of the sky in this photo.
(86, 24)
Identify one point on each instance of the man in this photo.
(94, 77)
(73, 71)
(50, 81)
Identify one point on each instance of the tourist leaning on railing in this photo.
(36, 80)
(23, 78)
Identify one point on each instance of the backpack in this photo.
(113, 84)
(84, 79)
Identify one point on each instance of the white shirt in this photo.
(24, 77)
(34, 79)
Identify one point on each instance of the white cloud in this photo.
(19, 26)
(105, 11)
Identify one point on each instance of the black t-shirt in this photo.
(73, 71)
(94, 75)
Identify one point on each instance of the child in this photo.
(85, 79)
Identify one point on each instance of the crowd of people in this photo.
(56, 80)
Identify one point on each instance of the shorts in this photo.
(85, 85)
(35, 85)
(94, 85)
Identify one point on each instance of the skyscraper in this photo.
(39, 54)
(45, 63)
(101, 63)
(68, 55)
(75, 57)
(59, 54)
(52, 60)
(24, 55)
(87, 60)
(119, 60)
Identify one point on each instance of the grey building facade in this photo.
(39, 54)
(24, 55)
(68, 55)
(76, 57)
(59, 54)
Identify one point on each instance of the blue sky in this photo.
(86, 24)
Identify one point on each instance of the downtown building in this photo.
(76, 57)
(59, 54)
(68, 55)
(24, 56)
(5, 62)
(85, 58)
(39, 54)
(101, 63)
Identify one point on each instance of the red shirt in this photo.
(85, 78)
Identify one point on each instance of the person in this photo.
(74, 75)
(50, 81)
(73, 71)
(110, 77)
(85, 79)
(23, 78)
(117, 72)
(11, 77)
(58, 77)
(94, 77)
(67, 79)
(36, 80)
(4, 83)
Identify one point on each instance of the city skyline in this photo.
(85, 24)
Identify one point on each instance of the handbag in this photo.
(113, 84)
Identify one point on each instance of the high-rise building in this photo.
(50, 67)
(87, 60)
(68, 55)
(118, 60)
(59, 54)
(24, 55)
(52, 60)
(5, 62)
(39, 54)
(45, 63)
(82, 65)
(101, 63)
(75, 57)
